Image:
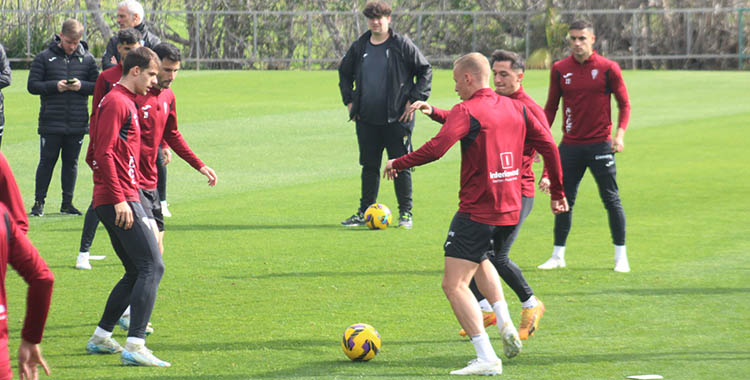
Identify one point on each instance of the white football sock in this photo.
(483, 347)
(620, 252)
(102, 333)
(126, 313)
(83, 255)
(558, 251)
(135, 341)
(502, 313)
(532, 302)
(485, 306)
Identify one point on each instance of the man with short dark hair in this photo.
(389, 74)
(130, 14)
(492, 130)
(63, 75)
(586, 81)
(117, 141)
(508, 71)
(127, 40)
(5, 77)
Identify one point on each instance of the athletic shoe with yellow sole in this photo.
(530, 320)
(489, 319)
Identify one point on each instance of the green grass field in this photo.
(261, 280)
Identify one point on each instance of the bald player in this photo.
(492, 130)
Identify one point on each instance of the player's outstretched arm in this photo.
(210, 174)
(29, 358)
(423, 106)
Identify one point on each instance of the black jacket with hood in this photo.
(405, 64)
(63, 113)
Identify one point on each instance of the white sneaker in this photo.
(511, 342)
(553, 263)
(141, 356)
(83, 263)
(481, 367)
(622, 265)
(99, 345)
(165, 210)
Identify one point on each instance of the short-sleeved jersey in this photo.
(527, 172)
(16, 250)
(585, 89)
(116, 147)
(492, 130)
(157, 114)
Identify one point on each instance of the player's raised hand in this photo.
(389, 172)
(559, 206)
(29, 357)
(211, 174)
(123, 215)
(425, 107)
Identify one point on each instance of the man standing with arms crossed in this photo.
(586, 80)
(117, 141)
(492, 130)
(127, 40)
(389, 74)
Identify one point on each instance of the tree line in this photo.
(225, 36)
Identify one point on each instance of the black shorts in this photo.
(473, 241)
(152, 206)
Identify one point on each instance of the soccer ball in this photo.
(361, 342)
(378, 216)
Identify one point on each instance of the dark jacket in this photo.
(148, 40)
(63, 113)
(4, 81)
(405, 63)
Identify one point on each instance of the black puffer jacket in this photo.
(148, 40)
(409, 74)
(4, 81)
(63, 113)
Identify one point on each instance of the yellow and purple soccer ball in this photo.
(361, 342)
(378, 216)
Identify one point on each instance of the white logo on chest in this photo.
(594, 73)
(567, 77)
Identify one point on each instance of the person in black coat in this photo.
(129, 15)
(4, 82)
(64, 76)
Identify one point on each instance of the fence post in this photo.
(309, 41)
(634, 45)
(84, 26)
(473, 31)
(740, 39)
(689, 31)
(419, 31)
(198, 41)
(255, 36)
(528, 33)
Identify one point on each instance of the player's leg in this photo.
(90, 223)
(604, 168)
(49, 151)
(71, 150)
(398, 143)
(465, 248)
(573, 162)
(101, 342)
(371, 145)
(161, 182)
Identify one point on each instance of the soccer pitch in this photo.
(261, 280)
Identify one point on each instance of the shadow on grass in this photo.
(659, 292)
(435, 272)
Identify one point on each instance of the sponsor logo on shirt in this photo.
(506, 160)
(594, 73)
(508, 175)
(568, 119)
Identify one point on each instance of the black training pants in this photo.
(396, 140)
(139, 252)
(50, 148)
